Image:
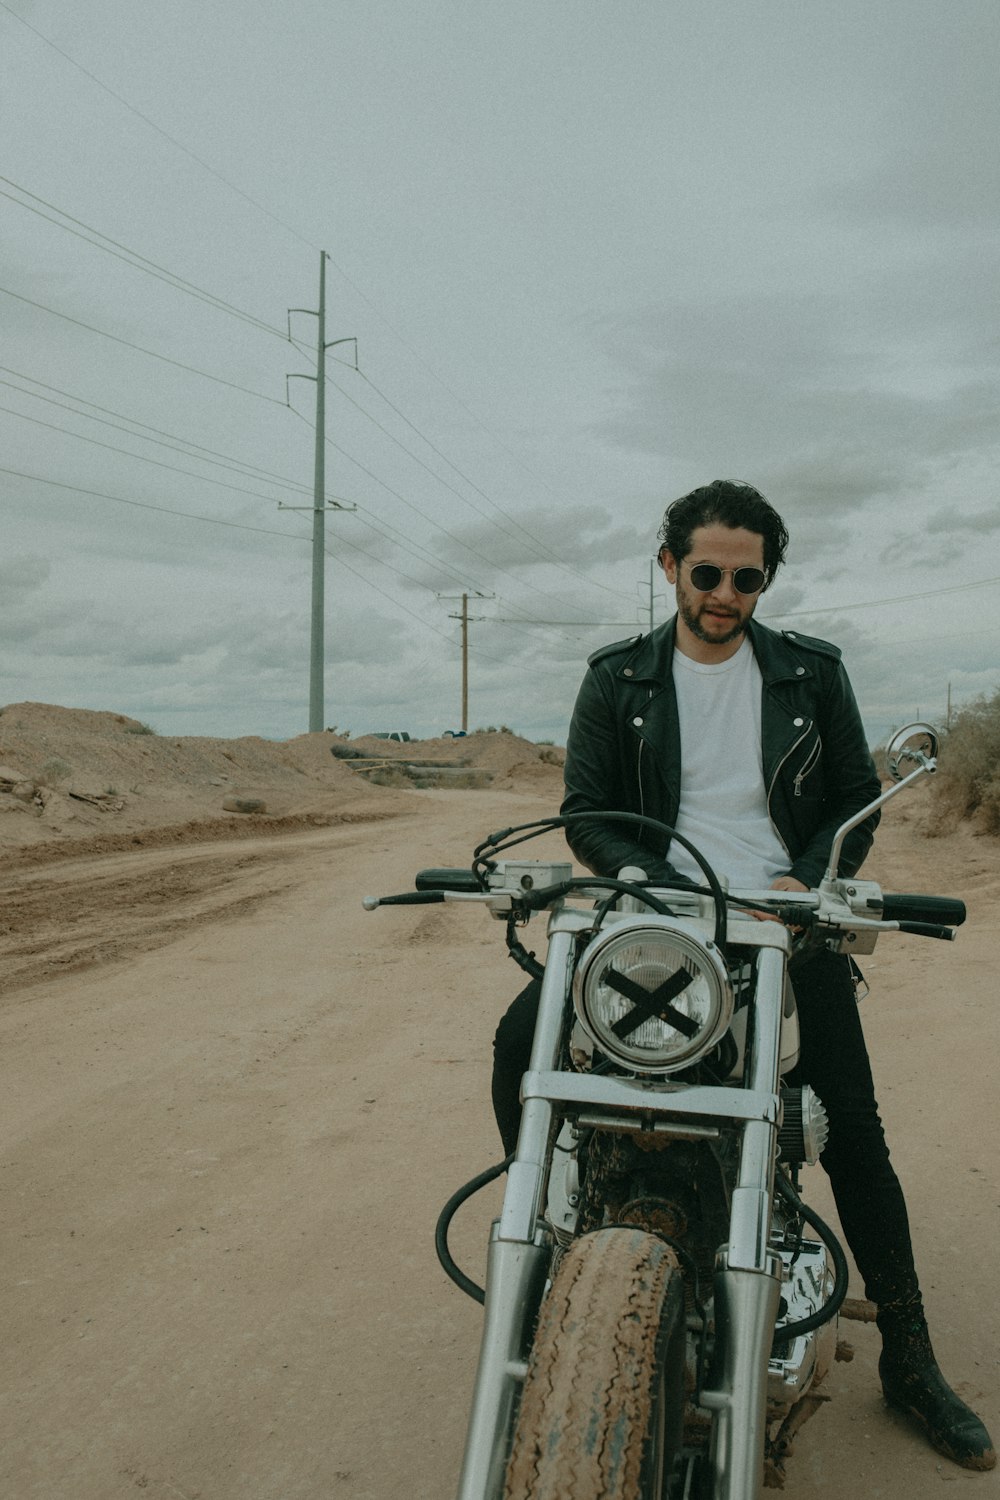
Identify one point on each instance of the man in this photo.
(749, 743)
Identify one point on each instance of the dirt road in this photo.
(234, 1103)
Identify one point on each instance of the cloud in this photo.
(22, 575)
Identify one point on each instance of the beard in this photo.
(691, 615)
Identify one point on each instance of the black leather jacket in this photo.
(623, 753)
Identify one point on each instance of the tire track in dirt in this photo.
(101, 910)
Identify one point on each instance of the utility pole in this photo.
(320, 503)
(466, 620)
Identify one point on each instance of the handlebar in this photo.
(940, 911)
(446, 879)
(919, 915)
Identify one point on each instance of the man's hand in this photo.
(783, 883)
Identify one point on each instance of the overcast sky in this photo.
(593, 254)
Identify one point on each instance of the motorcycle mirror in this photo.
(915, 746)
(911, 751)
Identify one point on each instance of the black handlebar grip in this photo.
(943, 911)
(461, 880)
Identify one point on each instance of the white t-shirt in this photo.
(723, 809)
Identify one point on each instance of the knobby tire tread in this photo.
(587, 1411)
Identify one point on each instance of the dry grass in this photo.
(968, 781)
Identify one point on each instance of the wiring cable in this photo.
(158, 128)
(163, 438)
(521, 531)
(473, 551)
(159, 463)
(134, 258)
(388, 488)
(544, 593)
(178, 364)
(836, 609)
(299, 538)
(187, 515)
(302, 239)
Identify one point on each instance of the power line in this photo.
(379, 527)
(836, 609)
(220, 177)
(176, 443)
(188, 515)
(521, 530)
(234, 525)
(134, 258)
(128, 453)
(389, 490)
(473, 551)
(147, 505)
(158, 128)
(191, 369)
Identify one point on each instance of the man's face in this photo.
(718, 619)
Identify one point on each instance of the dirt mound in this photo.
(506, 755)
(86, 780)
(68, 775)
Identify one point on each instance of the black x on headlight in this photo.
(651, 996)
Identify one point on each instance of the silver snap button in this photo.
(637, 723)
(798, 723)
(627, 672)
(800, 671)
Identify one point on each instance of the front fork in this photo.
(747, 1278)
(519, 1255)
(748, 1274)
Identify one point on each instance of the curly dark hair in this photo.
(725, 502)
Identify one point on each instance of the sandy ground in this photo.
(234, 1103)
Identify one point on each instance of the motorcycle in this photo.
(660, 1306)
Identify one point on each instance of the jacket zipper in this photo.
(638, 764)
(790, 751)
(810, 764)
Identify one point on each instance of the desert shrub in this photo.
(550, 757)
(53, 771)
(968, 780)
(137, 728)
(388, 776)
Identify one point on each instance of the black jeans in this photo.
(834, 1060)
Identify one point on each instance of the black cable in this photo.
(497, 843)
(463, 1282)
(841, 1274)
(177, 364)
(134, 259)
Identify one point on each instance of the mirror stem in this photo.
(831, 870)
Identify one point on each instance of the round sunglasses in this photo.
(706, 576)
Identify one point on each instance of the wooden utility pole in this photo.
(466, 620)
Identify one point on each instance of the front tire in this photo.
(602, 1409)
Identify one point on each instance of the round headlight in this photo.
(652, 997)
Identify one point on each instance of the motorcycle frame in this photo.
(747, 1278)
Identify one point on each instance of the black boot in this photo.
(912, 1383)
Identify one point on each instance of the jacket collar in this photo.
(652, 658)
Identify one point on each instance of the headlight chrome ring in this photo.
(652, 996)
